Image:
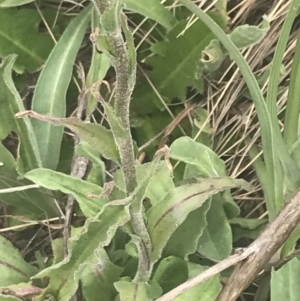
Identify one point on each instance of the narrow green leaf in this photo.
(215, 243)
(33, 203)
(206, 291)
(291, 119)
(100, 64)
(8, 298)
(171, 272)
(288, 165)
(97, 233)
(111, 17)
(19, 35)
(284, 282)
(115, 123)
(50, 93)
(268, 132)
(167, 215)
(13, 268)
(79, 188)
(10, 104)
(152, 9)
(98, 137)
(13, 3)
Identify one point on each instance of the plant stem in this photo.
(125, 80)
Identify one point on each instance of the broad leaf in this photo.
(166, 216)
(159, 185)
(206, 291)
(97, 233)
(98, 278)
(152, 9)
(202, 161)
(10, 104)
(184, 240)
(201, 156)
(215, 243)
(79, 188)
(50, 93)
(19, 35)
(248, 35)
(140, 291)
(13, 268)
(171, 272)
(174, 71)
(284, 282)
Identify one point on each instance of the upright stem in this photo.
(124, 86)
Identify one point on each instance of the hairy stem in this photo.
(125, 80)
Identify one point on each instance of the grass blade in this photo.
(273, 195)
(52, 85)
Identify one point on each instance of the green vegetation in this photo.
(143, 143)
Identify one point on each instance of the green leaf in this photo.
(8, 298)
(173, 72)
(98, 278)
(97, 233)
(98, 137)
(13, 3)
(79, 188)
(154, 10)
(115, 123)
(166, 216)
(215, 243)
(10, 104)
(34, 203)
(100, 64)
(160, 184)
(248, 35)
(13, 268)
(273, 144)
(50, 93)
(291, 119)
(202, 161)
(244, 227)
(137, 291)
(206, 291)
(19, 35)
(201, 156)
(284, 282)
(97, 173)
(184, 240)
(171, 272)
(212, 56)
(111, 17)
